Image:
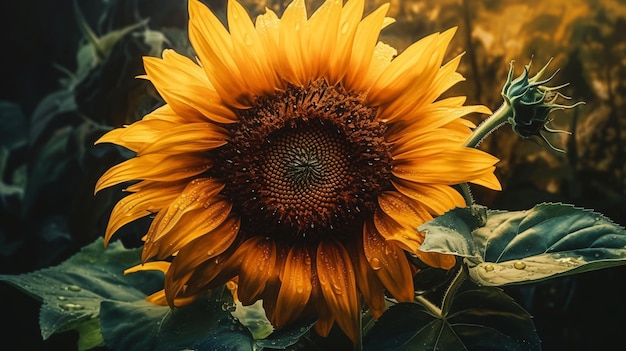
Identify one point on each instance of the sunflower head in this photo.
(297, 156)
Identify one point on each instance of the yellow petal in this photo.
(449, 167)
(295, 289)
(205, 247)
(404, 210)
(293, 38)
(389, 263)
(213, 44)
(351, 15)
(186, 138)
(337, 282)
(184, 86)
(142, 203)
(157, 167)
(363, 48)
(196, 211)
(392, 231)
(255, 271)
(149, 266)
(404, 70)
(436, 197)
(369, 285)
(249, 53)
(323, 27)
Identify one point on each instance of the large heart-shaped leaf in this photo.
(480, 318)
(203, 325)
(547, 241)
(72, 291)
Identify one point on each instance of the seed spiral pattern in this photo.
(305, 162)
(303, 172)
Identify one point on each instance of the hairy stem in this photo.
(458, 279)
(431, 307)
(492, 123)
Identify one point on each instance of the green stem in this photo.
(458, 279)
(431, 307)
(492, 123)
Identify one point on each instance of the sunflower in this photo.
(296, 156)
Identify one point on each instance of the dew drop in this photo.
(375, 263)
(299, 289)
(247, 39)
(489, 268)
(62, 298)
(71, 307)
(519, 265)
(73, 288)
(344, 27)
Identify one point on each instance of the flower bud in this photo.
(531, 102)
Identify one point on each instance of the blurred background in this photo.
(68, 76)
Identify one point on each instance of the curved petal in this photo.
(196, 211)
(417, 86)
(337, 282)
(249, 52)
(159, 167)
(256, 269)
(323, 27)
(404, 210)
(437, 198)
(363, 49)
(136, 135)
(191, 225)
(351, 15)
(214, 46)
(205, 247)
(292, 41)
(215, 272)
(390, 264)
(186, 138)
(368, 283)
(394, 232)
(184, 86)
(295, 289)
(149, 199)
(451, 166)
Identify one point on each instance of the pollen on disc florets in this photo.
(305, 161)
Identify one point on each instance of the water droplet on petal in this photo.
(375, 263)
(489, 268)
(519, 265)
(247, 39)
(337, 289)
(344, 27)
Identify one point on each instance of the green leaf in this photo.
(89, 335)
(287, 336)
(72, 291)
(547, 241)
(480, 318)
(254, 318)
(205, 324)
